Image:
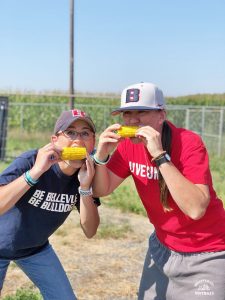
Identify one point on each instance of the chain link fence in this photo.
(32, 123)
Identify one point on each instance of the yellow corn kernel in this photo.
(73, 153)
(127, 131)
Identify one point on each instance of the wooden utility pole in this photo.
(71, 91)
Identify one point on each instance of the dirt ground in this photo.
(98, 269)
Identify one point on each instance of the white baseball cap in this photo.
(141, 96)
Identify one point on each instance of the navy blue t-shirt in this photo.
(26, 227)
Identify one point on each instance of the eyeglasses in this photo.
(73, 135)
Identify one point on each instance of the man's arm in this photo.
(105, 181)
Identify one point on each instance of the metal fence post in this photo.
(203, 121)
(21, 118)
(187, 119)
(3, 125)
(220, 132)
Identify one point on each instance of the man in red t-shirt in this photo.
(170, 168)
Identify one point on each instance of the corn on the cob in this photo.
(127, 131)
(73, 153)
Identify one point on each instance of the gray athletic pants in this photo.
(170, 275)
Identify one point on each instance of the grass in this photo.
(20, 141)
(114, 231)
(24, 294)
(218, 174)
(125, 198)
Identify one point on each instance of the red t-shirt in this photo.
(174, 229)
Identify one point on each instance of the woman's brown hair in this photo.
(166, 143)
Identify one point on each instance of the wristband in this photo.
(85, 192)
(100, 162)
(29, 180)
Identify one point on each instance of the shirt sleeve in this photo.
(118, 163)
(194, 163)
(15, 170)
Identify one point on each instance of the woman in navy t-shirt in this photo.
(37, 193)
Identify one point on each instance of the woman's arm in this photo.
(89, 217)
(12, 192)
(192, 199)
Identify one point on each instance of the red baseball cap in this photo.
(69, 116)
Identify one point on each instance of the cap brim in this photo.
(122, 109)
(85, 119)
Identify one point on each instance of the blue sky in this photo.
(177, 44)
